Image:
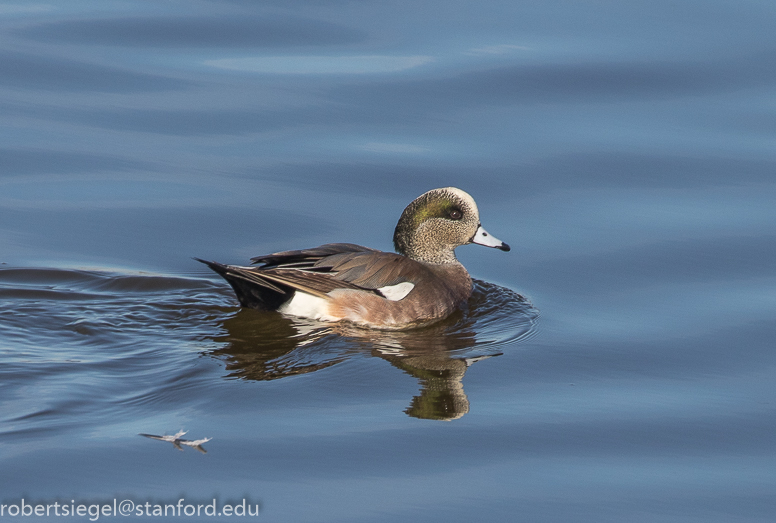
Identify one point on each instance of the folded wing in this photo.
(319, 271)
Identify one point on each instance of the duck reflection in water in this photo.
(266, 346)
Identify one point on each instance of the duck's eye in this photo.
(455, 214)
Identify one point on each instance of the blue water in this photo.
(617, 365)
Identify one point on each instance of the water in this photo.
(617, 365)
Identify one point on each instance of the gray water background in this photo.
(624, 149)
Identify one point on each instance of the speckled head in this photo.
(437, 222)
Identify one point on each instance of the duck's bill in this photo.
(482, 237)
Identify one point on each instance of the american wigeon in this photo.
(421, 284)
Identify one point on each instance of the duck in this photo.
(421, 283)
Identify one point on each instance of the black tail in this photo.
(252, 294)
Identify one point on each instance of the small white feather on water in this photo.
(177, 441)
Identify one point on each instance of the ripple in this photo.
(105, 340)
(48, 311)
(79, 347)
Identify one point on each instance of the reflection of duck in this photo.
(434, 356)
(265, 346)
(422, 284)
(441, 395)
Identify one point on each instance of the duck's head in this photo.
(437, 222)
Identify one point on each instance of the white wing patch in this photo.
(398, 291)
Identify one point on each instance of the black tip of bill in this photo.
(504, 247)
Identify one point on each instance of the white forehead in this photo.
(465, 196)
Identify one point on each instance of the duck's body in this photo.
(421, 284)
